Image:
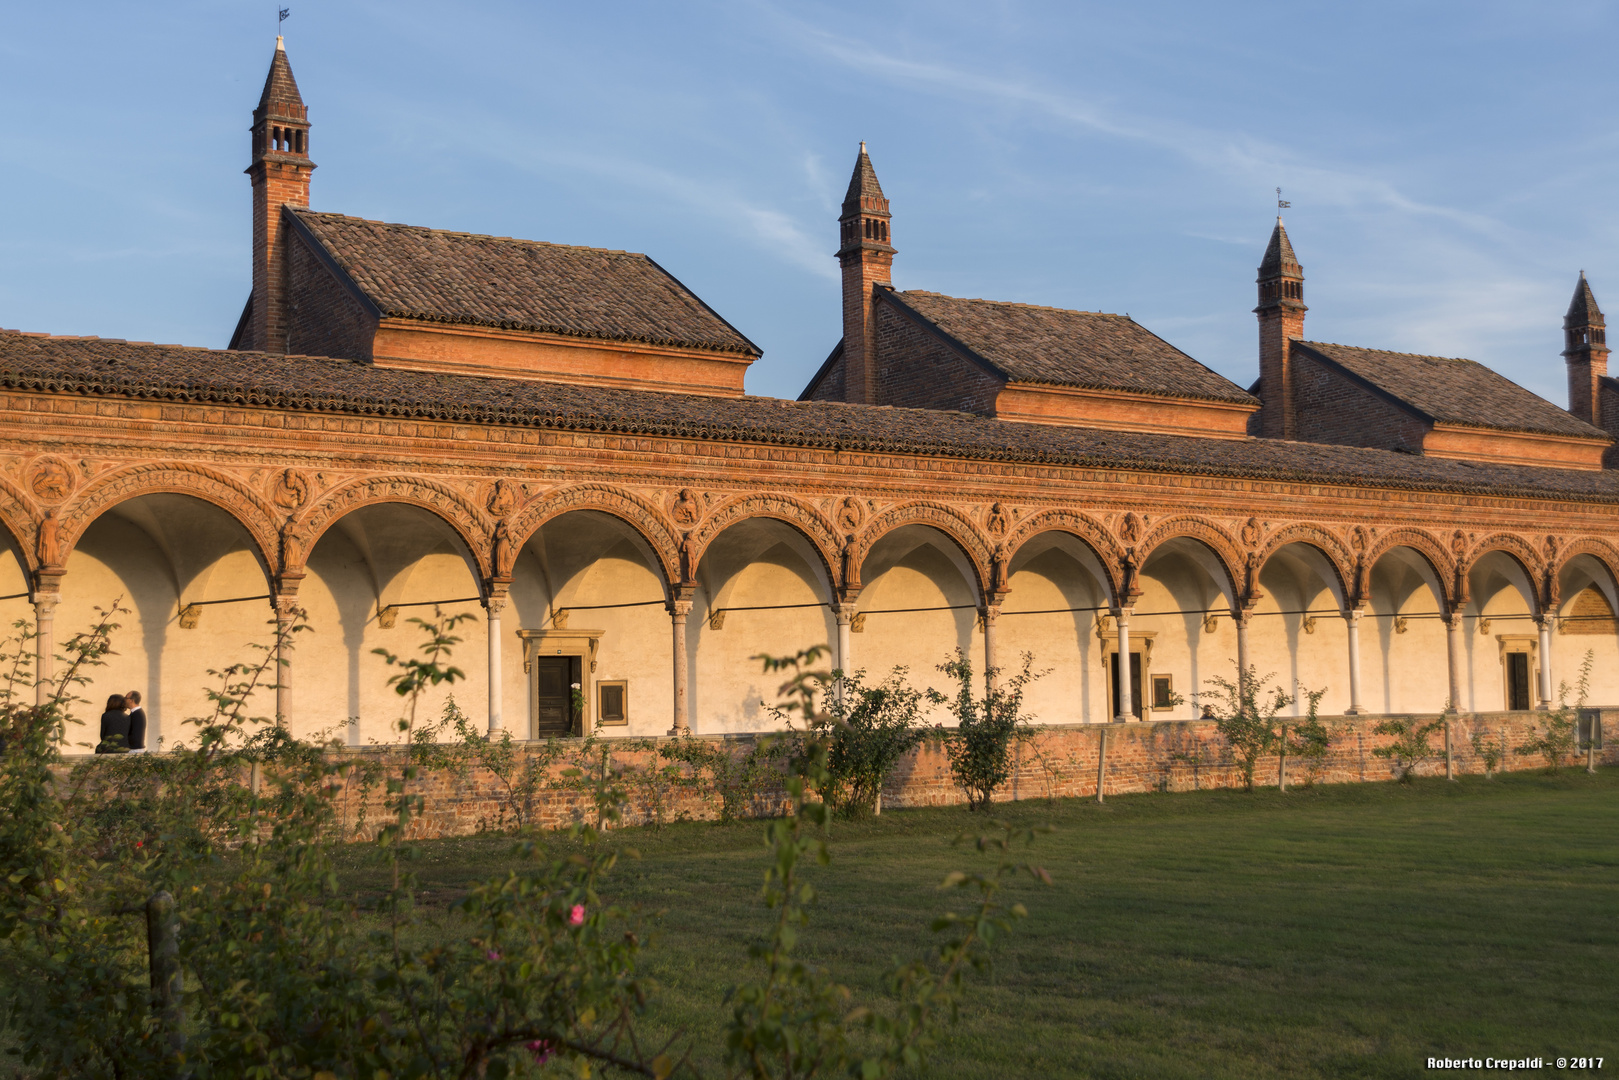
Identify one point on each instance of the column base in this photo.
(1354, 712)
(679, 732)
(1124, 719)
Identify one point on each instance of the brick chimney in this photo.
(280, 174)
(867, 260)
(1585, 347)
(1281, 320)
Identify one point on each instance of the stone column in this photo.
(285, 604)
(495, 603)
(991, 615)
(1453, 640)
(1352, 622)
(679, 611)
(1242, 646)
(1545, 663)
(1126, 705)
(845, 657)
(45, 601)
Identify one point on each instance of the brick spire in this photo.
(1281, 320)
(280, 174)
(1585, 347)
(867, 259)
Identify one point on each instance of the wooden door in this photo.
(553, 697)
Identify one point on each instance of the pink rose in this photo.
(494, 956)
(577, 916)
(541, 1049)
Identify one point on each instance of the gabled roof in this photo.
(96, 367)
(1028, 344)
(1454, 391)
(434, 275)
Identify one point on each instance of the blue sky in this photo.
(1451, 165)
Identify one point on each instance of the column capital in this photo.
(495, 594)
(679, 609)
(844, 613)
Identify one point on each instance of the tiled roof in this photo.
(449, 277)
(1279, 257)
(1455, 391)
(1032, 344)
(102, 368)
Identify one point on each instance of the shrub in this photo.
(1410, 746)
(867, 729)
(1556, 741)
(980, 745)
(1490, 751)
(1247, 717)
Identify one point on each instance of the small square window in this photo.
(612, 703)
(1163, 692)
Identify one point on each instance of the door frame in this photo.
(576, 643)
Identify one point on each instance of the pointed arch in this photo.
(641, 516)
(455, 510)
(946, 519)
(802, 517)
(1082, 527)
(229, 494)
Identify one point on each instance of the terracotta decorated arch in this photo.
(801, 516)
(947, 519)
(440, 500)
(1600, 550)
(1226, 550)
(230, 494)
(639, 514)
(1082, 527)
(18, 519)
(1423, 543)
(1519, 551)
(1322, 539)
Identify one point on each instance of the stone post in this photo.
(495, 602)
(1352, 623)
(1126, 704)
(46, 598)
(1453, 638)
(679, 611)
(845, 658)
(1242, 646)
(1545, 663)
(991, 614)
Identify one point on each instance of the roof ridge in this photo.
(1011, 303)
(304, 210)
(1392, 352)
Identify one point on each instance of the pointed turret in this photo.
(1281, 320)
(867, 258)
(1585, 347)
(280, 173)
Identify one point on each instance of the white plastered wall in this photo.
(1051, 572)
(155, 555)
(766, 565)
(1304, 651)
(579, 562)
(1569, 649)
(920, 567)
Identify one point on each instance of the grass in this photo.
(1345, 931)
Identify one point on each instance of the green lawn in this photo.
(1341, 931)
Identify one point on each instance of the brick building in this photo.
(555, 440)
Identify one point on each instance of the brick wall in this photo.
(917, 370)
(830, 388)
(1610, 420)
(1059, 762)
(323, 318)
(1331, 408)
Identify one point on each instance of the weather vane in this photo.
(1281, 203)
(281, 17)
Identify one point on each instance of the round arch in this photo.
(640, 516)
(465, 520)
(1335, 556)
(248, 509)
(17, 519)
(1085, 529)
(1518, 574)
(801, 517)
(1520, 551)
(952, 523)
(1433, 554)
(1220, 546)
(1600, 552)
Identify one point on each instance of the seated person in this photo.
(114, 727)
(137, 720)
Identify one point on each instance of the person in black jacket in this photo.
(114, 727)
(137, 720)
